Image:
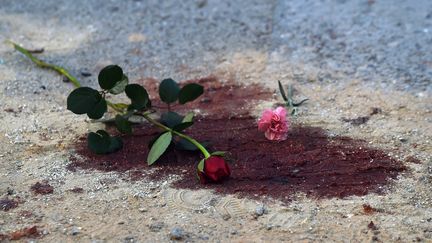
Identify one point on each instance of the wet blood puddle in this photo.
(309, 161)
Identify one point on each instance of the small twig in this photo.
(36, 51)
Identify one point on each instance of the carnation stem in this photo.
(191, 140)
(56, 68)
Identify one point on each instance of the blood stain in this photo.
(307, 162)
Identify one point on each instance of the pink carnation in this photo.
(274, 124)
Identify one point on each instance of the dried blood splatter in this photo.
(8, 204)
(42, 188)
(308, 161)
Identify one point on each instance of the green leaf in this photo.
(153, 140)
(171, 119)
(159, 147)
(115, 144)
(138, 96)
(299, 103)
(100, 142)
(182, 126)
(123, 125)
(168, 91)
(97, 142)
(218, 153)
(282, 91)
(201, 165)
(99, 110)
(190, 92)
(109, 76)
(82, 100)
(120, 86)
(189, 117)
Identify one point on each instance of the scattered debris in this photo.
(37, 51)
(77, 190)
(85, 73)
(3, 237)
(368, 209)
(413, 159)
(42, 188)
(142, 210)
(156, 227)
(362, 119)
(129, 239)
(375, 111)
(201, 3)
(26, 214)
(372, 226)
(31, 232)
(8, 204)
(357, 121)
(10, 191)
(9, 110)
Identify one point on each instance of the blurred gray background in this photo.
(384, 43)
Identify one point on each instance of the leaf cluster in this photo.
(112, 81)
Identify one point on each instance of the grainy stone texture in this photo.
(346, 56)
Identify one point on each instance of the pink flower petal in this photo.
(281, 112)
(274, 124)
(265, 121)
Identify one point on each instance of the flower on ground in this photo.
(274, 124)
(215, 169)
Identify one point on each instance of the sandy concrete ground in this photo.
(346, 56)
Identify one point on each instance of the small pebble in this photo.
(176, 233)
(260, 210)
(129, 239)
(75, 230)
(142, 210)
(85, 73)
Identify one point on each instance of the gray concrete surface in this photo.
(347, 57)
(384, 43)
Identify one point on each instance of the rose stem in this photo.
(193, 141)
(56, 68)
(77, 84)
(43, 64)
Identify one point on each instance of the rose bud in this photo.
(215, 169)
(274, 124)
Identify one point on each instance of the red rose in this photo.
(215, 170)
